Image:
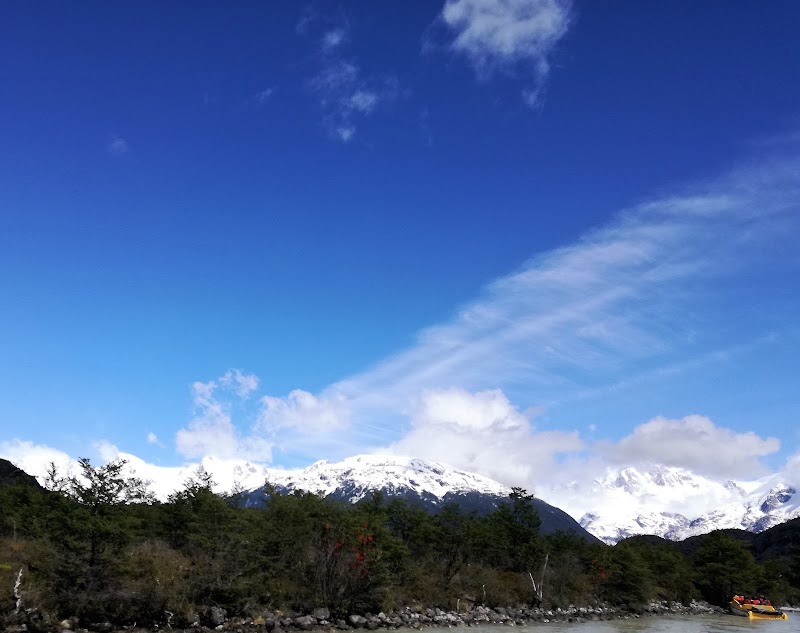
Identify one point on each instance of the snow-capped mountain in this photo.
(427, 484)
(355, 477)
(351, 479)
(675, 503)
(430, 485)
(670, 502)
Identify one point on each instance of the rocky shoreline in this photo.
(416, 617)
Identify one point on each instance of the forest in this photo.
(98, 547)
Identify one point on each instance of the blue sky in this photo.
(504, 234)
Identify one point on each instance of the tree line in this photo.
(99, 547)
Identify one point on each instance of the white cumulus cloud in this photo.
(695, 443)
(241, 384)
(35, 459)
(485, 433)
(229, 423)
(508, 35)
(304, 412)
(212, 431)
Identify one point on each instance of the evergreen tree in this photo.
(724, 567)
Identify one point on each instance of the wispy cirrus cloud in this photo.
(263, 96)
(345, 93)
(639, 288)
(513, 37)
(635, 300)
(117, 146)
(638, 299)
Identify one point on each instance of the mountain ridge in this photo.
(667, 501)
(430, 485)
(676, 504)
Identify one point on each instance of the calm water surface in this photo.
(658, 624)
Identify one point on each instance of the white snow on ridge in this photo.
(369, 472)
(675, 503)
(670, 502)
(361, 474)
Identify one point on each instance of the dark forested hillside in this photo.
(10, 475)
(98, 548)
(553, 519)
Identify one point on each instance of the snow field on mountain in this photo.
(670, 502)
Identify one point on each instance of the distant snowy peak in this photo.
(634, 480)
(675, 503)
(427, 485)
(364, 473)
(670, 502)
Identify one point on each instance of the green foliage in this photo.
(96, 547)
(514, 528)
(568, 578)
(627, 578)
(724, 567)
(670, 572)
(92, 524)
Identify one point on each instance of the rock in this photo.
(65, 624)
(217, 615)
(358, 621)
(277, 629)
(17, 628)
(305, 622)
(321, 613)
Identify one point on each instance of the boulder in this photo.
(321, 613)
(305, 622)
(358, 621)
(217, 615)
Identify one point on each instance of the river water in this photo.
(712, 623)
